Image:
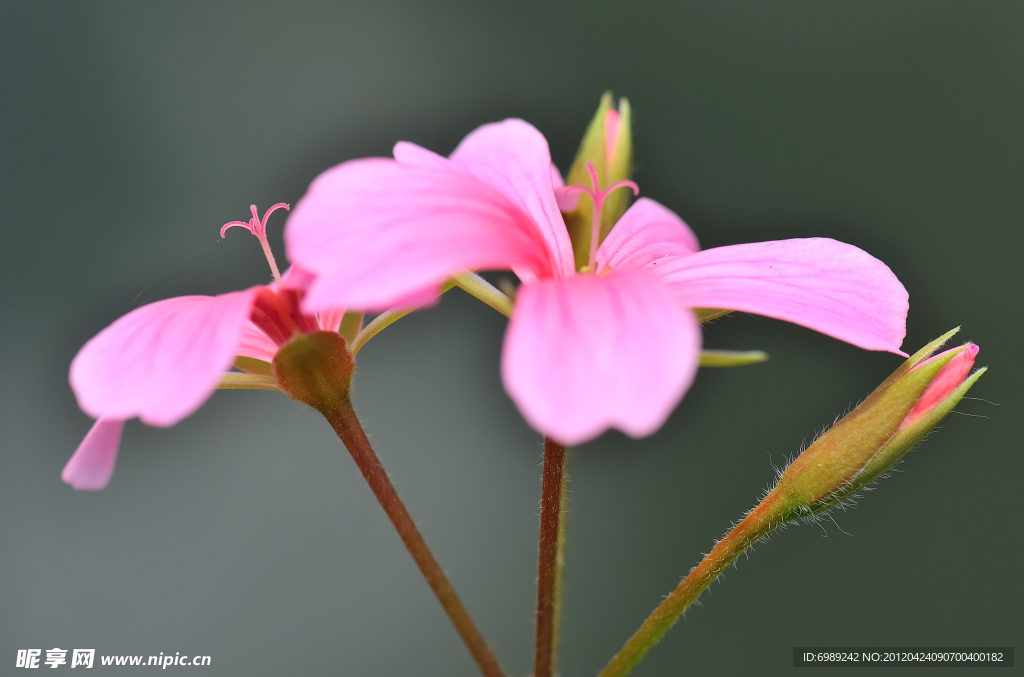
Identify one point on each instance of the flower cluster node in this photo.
(315, 369)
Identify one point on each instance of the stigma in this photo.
(258, 227)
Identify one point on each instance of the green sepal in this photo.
(731, 358)
(708, 314)
(315, 369)
(912, 361)
(251, 365)
(351, 325)
(907, 438)
(592, 150)
(621, 168)
(235, 381)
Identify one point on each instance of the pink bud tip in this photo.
(945, 382)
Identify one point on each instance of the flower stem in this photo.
(770, 513)
(386, 319)
(560, 563)
(731, 358)
(343, 419)
(233, 381)
(477, 286)
(547, 566)
(379, 323)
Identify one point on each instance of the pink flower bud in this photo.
(947, 380)
(881, 430)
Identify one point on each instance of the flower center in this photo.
(277, 314)
(259, 228)
(598, 196)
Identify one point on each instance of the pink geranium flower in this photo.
(160, 362)
(615, 344)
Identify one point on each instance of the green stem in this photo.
(769, 514)
(386, 319)
(233, 381)
(343, 419)
(351, 325)
(477, 286)
(731, 358)
(379, 324)
(547, 560)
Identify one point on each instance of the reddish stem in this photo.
(550, 519)
(343, 419)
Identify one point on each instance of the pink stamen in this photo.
(259, 228)
(599, 196)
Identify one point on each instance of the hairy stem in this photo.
(766, 516)
(560, 563)
(343, 419)
(547, 561)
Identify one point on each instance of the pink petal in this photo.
(375, 231)
(160, 362)
(296, 277)
(647, 232)
(556, 177)
(92, 464)
(590, 353)
(513, 157)
(420, 298)
(254, 343)
(819, 283)
(946, 381)
(330, 320)
(411, 155)
(567, 200)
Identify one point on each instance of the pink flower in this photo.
(160, 362)
(612, 345)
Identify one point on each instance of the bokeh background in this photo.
(132, 131)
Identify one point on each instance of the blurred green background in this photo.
(132, 131)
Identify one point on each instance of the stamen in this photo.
(259, 228)
(599, 196)
(593, 180)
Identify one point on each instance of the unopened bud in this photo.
(608, 145)
(881, 430)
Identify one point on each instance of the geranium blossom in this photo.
(160, 362)
(614, 344)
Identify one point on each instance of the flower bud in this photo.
(608, 145)
(880, 431)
